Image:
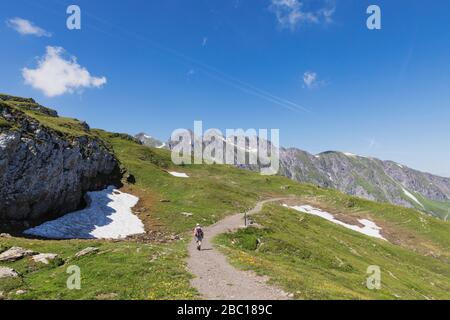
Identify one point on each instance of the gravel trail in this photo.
(216, 279)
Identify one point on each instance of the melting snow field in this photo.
(370, 228)
(108, 216)
(178, 174)
(412, 197)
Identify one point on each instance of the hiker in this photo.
(198, 235)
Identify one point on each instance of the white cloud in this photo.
(26, 27)
(56, 75)
(205, 41)
(311, 80)
(291, 13)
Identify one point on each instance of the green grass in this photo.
(315, 259)
(121, 270)
(439, 208)
(4, 123)
(67, 127)
(7, 97)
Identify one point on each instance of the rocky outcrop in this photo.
(47, 163)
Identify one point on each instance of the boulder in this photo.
(44, 258)
(187, 214)
(14, 254)
(6, 272)
(86, 251)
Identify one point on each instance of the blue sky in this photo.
(155, 66)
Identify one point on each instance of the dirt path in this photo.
(216, 279)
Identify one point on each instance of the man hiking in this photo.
(198, 235)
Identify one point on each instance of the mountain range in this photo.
(365, 177)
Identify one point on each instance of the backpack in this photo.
(199, 232)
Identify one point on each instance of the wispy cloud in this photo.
(190, 73)
(205, 41)
(372, 143)
(311, 80)
(55, 75)
(25, 27)
(292, 13)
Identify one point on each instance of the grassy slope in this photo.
(440, 208)
(66, 126)
(213, 191)
(122, 270)
(130, 270)
(315, 259)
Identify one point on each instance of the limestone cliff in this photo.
(47, 163)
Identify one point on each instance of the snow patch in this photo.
(161, 146)
(348, 154)
(370, 228)
(108, 216)
(178, 174)
(399, 165)
(352, 155)
(412, 197)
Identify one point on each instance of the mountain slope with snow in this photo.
(369, 178)
(364, 177)
(149, 141)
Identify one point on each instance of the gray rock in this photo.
(187, 214)
(6, 272)
(86, 251)
(45, 173)
(14, 254)
(44, 258)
